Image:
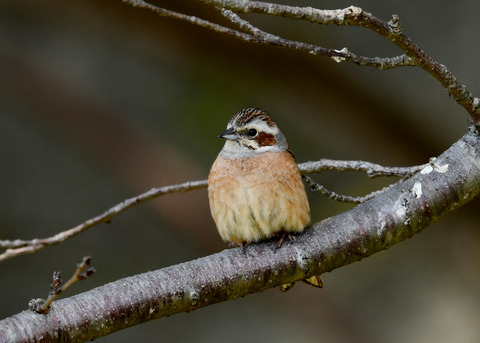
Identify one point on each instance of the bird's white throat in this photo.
(235, 149)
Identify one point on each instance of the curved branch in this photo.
(414, 56)
(357, 17)
(19, 247)
(261, 37)
(399, 213)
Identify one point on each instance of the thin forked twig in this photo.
(355, 16)
(260, 37)
(315, 187)
(244, 24)
(57, 287)
(19, 247)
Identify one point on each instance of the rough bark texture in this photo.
(452, 180)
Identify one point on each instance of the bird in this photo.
(255, 188)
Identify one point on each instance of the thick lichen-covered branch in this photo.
(404, 210)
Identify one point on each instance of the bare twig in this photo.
(372, 169)
(315, 187)
(244, 24)
(57, 287)
(19, 247)
(261, 37)
(391, 30)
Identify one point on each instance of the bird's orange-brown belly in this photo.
(255, 197)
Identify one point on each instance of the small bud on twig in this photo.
(394, 25)
(56, 288)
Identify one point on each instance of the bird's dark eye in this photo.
(252, 132)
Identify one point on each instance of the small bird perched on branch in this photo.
(254, 187)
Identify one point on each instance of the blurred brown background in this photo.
(100, 101)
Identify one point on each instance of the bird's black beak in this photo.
(229, 134)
